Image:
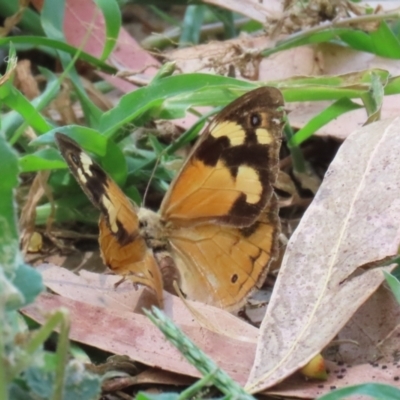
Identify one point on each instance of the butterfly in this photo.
(217, 228)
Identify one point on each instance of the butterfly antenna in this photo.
(149, 181)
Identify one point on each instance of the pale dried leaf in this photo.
(254, 9)
(243, 54)
(352, 222)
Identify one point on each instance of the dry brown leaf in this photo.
(25, 81)
(28, 213)
(12, 20)
(375, 329)
(100, 290)
(127, 55)
(127, 333)
(153, 376)
(341, 375)
(352, 222)
(243, 54)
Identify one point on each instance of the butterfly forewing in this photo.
(123, 249)
(229, 175)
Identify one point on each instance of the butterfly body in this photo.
(217, 227)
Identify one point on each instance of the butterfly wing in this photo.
(123, 249)
(222, 265)
(221, 211)
(228, 176)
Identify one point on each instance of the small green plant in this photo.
(27, 371)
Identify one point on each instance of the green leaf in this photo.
(111, 156)
(351, 85)
(191, 27)
(373, 99)
(38, 42)
(372, 41)
(87, 138)
(336, 109)
(24, 278)
(112, 19)
(18, 391)
(52, 18)
(78, 383)
(357, 39)
(8, 219)
(148, 102)
(14, 99)
(29, 21)
(14, 125)
(42, 160)
(374, 390)
(306, 37)
(227, 19)
(394, 285)
(29, 282)
(160, 396)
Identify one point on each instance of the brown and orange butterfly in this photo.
(216, 231)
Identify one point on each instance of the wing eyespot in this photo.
(255, 120)
(75, 159)
(234, 278)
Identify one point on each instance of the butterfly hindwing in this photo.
(222, 265)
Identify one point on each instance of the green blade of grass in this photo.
(305, 38)
(394, 284)
(170, 97)
(53, 44)
(111, 156)
(227, 19)
(195, 356)
(30, 19)
(374, 390)
(335, 110)
(149, 101)
(11, 97)
(41, 160)
(88, 138)
(112, 18)
(372, 41)
(14, 99)
(8, 182)
(52, 18)
(351, 85)
(338, 31)
(191, 26)
(40, 102)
